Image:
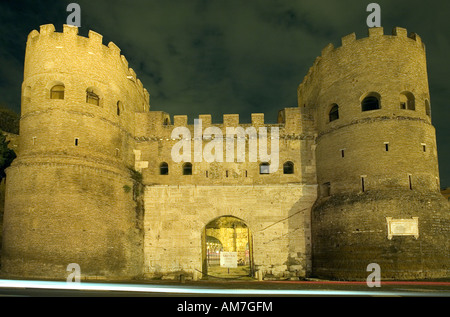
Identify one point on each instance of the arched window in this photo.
(166, 121)
(334, 113)
(288, 168)
(187, 169)
(281, 117)
(27, 94)
(371, 102)
(164, 169)
(407, 101)
(92, 97)
(264, 168)
(119, 107)
(427, 108)
(57, 92)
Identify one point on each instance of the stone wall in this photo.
(350, 231)
(278, 217)
(64, 214)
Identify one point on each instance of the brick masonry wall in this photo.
(65, 200)
(349, 231)
(64, 214)
(72, 202)
(400, 180)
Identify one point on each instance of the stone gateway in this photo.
(94, 182)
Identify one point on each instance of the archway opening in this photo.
(227, 248)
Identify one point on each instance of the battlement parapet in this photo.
(157, 123)
(93, 44)
(349, 41)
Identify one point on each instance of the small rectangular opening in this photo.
(363, 183)
(386, 146)
(226, 173)
(246, 174)
(410, 181)
(206, 174)
(76, 141)
(342, 153)
(424, 147)
(34, 140)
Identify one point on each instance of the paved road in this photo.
(223, 289)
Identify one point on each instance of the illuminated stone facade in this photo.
(95, 183)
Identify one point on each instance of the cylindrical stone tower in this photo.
(66, 198)
(376, 160)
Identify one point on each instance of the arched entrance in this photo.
(227, 236)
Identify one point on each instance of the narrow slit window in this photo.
(342, 153)
(427, 108)
(77, 141)
(410, 181)
(206, 174)
(363, 184)
(34, 140)
(226, 173)
(119, 108)
(424, 147)
(386, 146)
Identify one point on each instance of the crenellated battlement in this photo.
(350, 41)
(156, 124)
(93, 45)
(374, 33)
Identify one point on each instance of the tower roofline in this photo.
(94, 43)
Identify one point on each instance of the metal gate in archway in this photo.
(222, 235)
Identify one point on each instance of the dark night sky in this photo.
(230, 56)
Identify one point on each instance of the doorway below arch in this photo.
(227, 235)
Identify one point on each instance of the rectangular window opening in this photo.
(363, 183)
(386, 146)
(206, 174)
(424, 147)
(342, 153)
(410, 181)
(76, 141)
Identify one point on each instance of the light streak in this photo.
(186, 290)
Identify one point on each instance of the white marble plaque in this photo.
(403, 227)
(228, 259)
